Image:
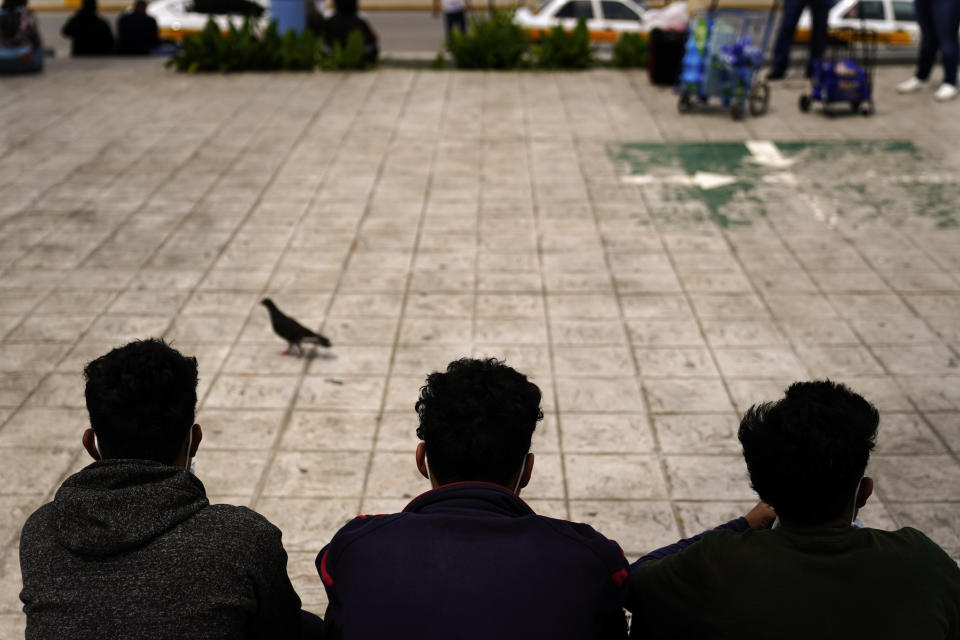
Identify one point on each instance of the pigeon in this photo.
(291, 330)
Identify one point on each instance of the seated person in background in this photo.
(90, 34)
(338, 28)
(469, 559)
(20, 48)
(130, 547)
(818, 575)
(137, 32)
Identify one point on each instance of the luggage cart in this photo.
(845, 74)
(725, 50)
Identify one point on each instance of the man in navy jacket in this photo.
(469, 559)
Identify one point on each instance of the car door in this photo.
(906, 29)
(869, 14)
(572, 11)
(618, 17)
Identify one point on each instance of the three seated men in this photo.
(130, 547)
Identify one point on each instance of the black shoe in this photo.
(776, 75)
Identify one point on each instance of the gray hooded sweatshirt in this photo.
(133, 549)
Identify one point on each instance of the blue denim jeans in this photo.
(788, 25)
(454, 20)
(939, 21)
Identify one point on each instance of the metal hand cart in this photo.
(845, 74)
(725, 50)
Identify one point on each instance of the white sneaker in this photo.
(945, 92)
(912, 85)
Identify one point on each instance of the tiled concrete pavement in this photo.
(419, 216)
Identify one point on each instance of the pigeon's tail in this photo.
(317, 339)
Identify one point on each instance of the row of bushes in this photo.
(247, 49)
(490, 43)
(498, 43)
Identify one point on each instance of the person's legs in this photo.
(946, 21)
(819, 10)
(928, 38)
(788, 25)
(458, 20)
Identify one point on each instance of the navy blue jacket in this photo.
(472, 560)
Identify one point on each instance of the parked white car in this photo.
(893, 20)
(177, 19)
(606, 19)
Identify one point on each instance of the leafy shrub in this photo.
(350, 56)
(631, 50)
(559, 49)
(490, 43)
(244, 49)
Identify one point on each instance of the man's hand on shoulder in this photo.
(761, 516)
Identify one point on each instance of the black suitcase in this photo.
(666, 56)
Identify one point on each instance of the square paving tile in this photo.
(614, 476)
(708, 477)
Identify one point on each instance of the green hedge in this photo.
(490, 43)
(246, 49)
(495, 42)
(631, 50)
(559, 49)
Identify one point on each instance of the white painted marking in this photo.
(706, 180)
(785, 178)
(645, 179)
(703, 179)
(764, 152)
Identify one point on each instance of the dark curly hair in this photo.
(476, 421)
(141, 398)
(806, 452)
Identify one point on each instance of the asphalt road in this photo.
(399, 31)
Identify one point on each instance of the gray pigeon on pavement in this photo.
(291, 330)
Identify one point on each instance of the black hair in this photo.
(345, 7)
(476, 421)
(806, 452)
(141, 398)
(10, 20)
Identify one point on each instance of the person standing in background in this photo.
(819, 10)
(20, 48)
(454, 15)
(137, 32)
(939, 22)
(90, 34)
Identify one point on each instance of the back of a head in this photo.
(10, 18)
(345, 7)
(88, 6)
(806, 452)
(141, 398)
(476, 420)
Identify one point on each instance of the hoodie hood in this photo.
(113, 506)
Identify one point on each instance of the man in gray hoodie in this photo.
(130, 547)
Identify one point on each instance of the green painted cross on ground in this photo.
(743, 182)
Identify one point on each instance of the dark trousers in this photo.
(939, 21)
(788, 25)
(454, 20)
